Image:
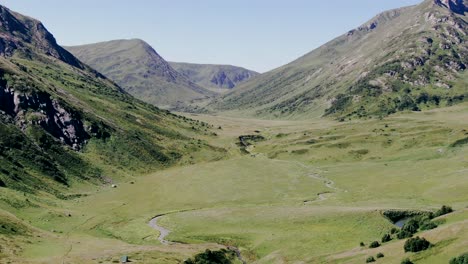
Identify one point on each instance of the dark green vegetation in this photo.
(463, 259)
(141, 71)
(416, 244)
(374, 244)
(222, 256)
(380, 255)
(406, 261)
(62, 122)
(214, 77)
(385, 66)
(370, 259)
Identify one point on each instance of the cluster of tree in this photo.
(463, 259)
(372, 259)
(416, 244)
(222, 256)
(417, 223)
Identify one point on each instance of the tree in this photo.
(463, 259)
(416, 244)
(386, 238)
(411, 226)
(374, 244)
(380, 255)
(370, 259)
(406, 261)
(222, 256)
(444, 210)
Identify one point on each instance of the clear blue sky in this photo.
(257, 34)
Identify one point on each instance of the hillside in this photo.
(61, 122)
(413, 58)
(141, 71)
(214, 77)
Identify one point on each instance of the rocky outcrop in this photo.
(40, 109)
(456, 6)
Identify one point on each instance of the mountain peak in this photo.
(19, 32)
(456, 6)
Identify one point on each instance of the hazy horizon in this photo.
(259, 36)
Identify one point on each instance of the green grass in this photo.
(270, 207)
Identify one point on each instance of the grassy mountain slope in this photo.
(405, 59)
(141, 71)
(214, 77)
(62, 122)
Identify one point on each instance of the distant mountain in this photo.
(411, 58)
(141, 71)
(214, 77)
(63, 122)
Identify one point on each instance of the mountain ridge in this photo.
(214, 76)
(61, 122)
(361, 68)
(141, 71)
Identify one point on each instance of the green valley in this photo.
(355, 153)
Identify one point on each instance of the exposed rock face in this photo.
(456, 6)
(18, 31)
(40, 109)
(214, 76)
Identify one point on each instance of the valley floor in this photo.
(310, 192)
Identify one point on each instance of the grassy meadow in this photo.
(309, 193)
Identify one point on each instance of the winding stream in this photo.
(164, 232)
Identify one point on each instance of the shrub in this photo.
(428, 225)
(393, 230)
(370, 259)
(222, 256)
(463, 259)
(386, 238)
(406, 261)
(444, 210)
(411, 226)
(380, 255)
(404, 234)
(362, 244)
(416, 244)
(374, 244)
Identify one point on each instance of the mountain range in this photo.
(62, 121)
(407, 59)
(136, 67)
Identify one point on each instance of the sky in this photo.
(257, 34)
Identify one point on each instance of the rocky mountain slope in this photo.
(141, 71)
(412, 58)
(214, 77)
(63, 122)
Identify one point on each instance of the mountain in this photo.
(214, 77)
(61, 122)
(141, 71)
(412, 58)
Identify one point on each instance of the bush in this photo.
(428, 225)
(444, 210)
(393, 230)
(386, 238)
(416, 244)
(411, 226)
(404, 234)
(380, 255)
(370, 259)
(222, 256)
(463, 259)
(362, 244)
(406, 261)
(374, 244)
